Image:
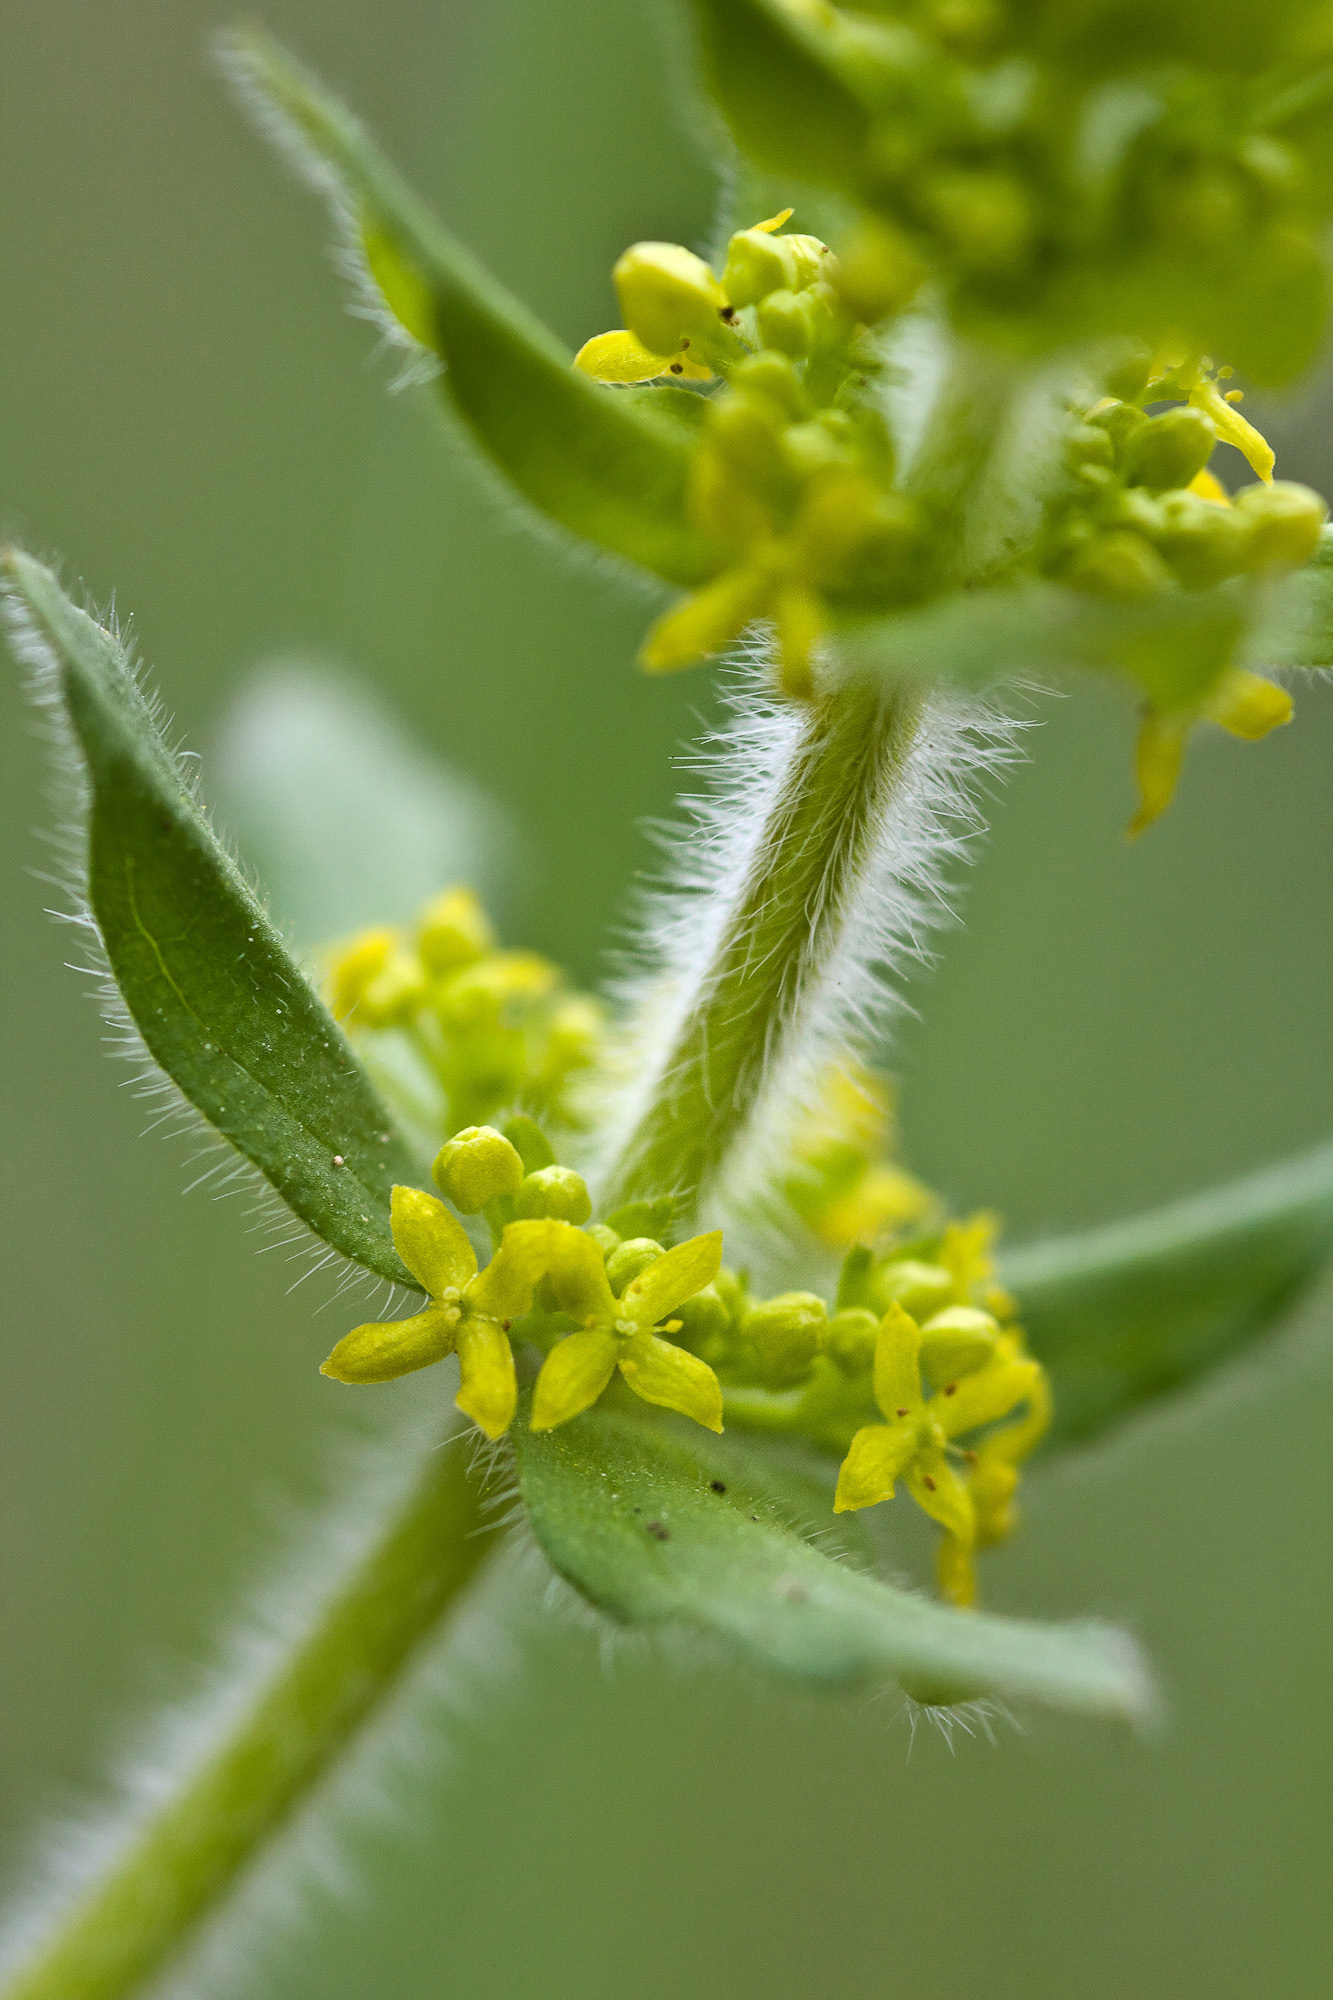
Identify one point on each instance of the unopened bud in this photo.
(1202, 541)
(354, 967)
(785, 1334)
(772, 375)
(394, 995)
(880, 274)
(786, 321)
(667, 295)
(704, 1322)
(1118, 564)
(1129, 378)
(554, 1193)
(956, 1342)
(1169, 450)
(1282, 523)
(851, 1339)
(919, 1288)
(453, 931)
(624, 1263)
(475, 1167)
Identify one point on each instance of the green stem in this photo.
(181, 1864)
(786, 921)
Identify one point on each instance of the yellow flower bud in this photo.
(880, 274)
(956, 1342)
(920, 1289)
(476, 1166)
(851, 1338)
(354, 967)
(667, 295)
(784, 1335)
(627, 1260)
(1283, 522)
(1169, 450)
(453, 931)
(557, 1194)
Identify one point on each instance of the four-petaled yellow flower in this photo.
(469, 1311)
(980, 1375)
(618, 1332)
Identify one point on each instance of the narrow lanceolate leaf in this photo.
(662, 1526)
(788, 106)
(603, 465)
(206, 978)
(1140, 1309)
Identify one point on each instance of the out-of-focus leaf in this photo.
(345, 819)
(660, 1524)
(787, 103)
(1140, 1309)
(1296, 628)
(603, 465)
(210, 987)
(1173, 646)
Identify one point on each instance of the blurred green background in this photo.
(191, 420)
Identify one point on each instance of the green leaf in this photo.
(207, 981)
(628, 1509)
(788, 105)
(1296, 628)
(1173, 646)
(1140, 1309)
(346, 820)
(605, 466)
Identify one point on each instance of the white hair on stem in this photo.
(449, 1674)
(899, 899)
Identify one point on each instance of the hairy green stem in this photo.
(183, 1861)
(786, 921)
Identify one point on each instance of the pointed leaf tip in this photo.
(207, 981)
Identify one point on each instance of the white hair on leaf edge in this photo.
(900, 899)
(226, 1172)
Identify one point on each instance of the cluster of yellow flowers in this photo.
(793, 473)
(484, 1027)
(1143, 516)
(920, 1336)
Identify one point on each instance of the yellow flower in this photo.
(1247, 705)
(669, 291)
(979, 1375)
(619, 1332)
(469, 1310)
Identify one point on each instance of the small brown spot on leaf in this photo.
(658, 1532)
(718, 1485)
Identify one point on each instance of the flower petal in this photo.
(383, 1349)
(488, 1392)
(619, 357)
(980, 1398)
(578, 1275)
(956, 1571)
(898, 1365)
(708, 621)
(937, 1489)
(672, 1278)
(431, 1242)
(879, 1454)
(573, 1376)
(672, 1376)
(504, 1289)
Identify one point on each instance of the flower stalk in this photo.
(181, 1864)
(744, 1016)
